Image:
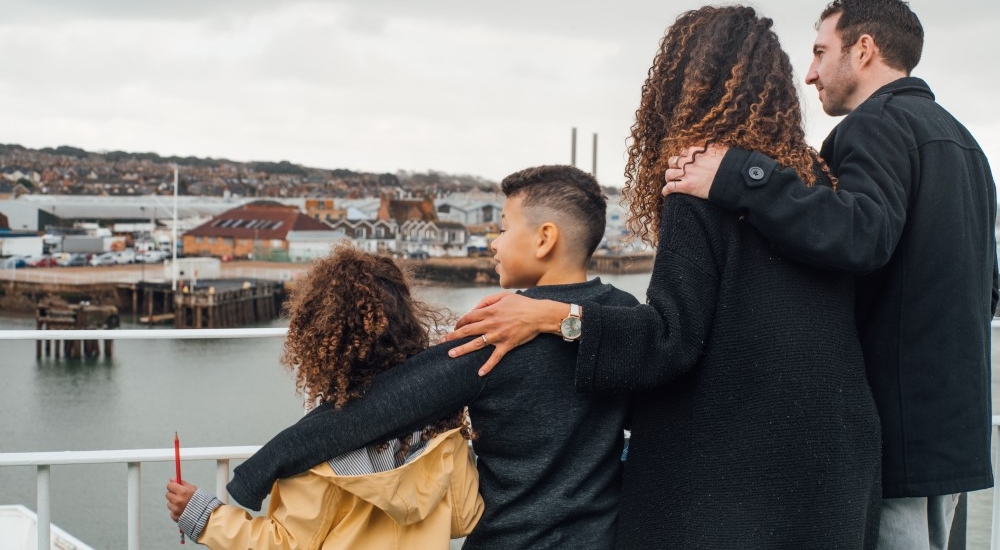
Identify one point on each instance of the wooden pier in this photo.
(227, 303)
(152, 303)
(209, 304)
(216, 303)
(622, 263)
(60, 315)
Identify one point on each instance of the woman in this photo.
(752, 425)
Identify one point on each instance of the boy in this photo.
(548, 457)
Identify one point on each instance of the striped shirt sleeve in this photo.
(195, 516)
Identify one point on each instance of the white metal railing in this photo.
(144, 334)
(43, 461)
(134, 458)
(133, 274)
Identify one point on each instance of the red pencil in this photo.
(177, 464)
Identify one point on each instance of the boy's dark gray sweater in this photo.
(548, 457)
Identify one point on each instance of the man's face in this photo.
(832, 71)
(514, 249)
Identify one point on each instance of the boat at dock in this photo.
(19, 531)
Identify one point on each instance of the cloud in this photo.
(57, 11)
(466, 87)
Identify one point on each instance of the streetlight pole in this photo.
(142, 261)
(58, 226)
(173, 263)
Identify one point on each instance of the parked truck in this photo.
(84, 244)
(12, 244)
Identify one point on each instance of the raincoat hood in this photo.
(408, 494)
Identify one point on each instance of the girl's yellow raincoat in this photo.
(419, 505)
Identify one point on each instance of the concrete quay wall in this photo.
(22, 289)
(23, 296)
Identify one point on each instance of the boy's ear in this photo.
(548, 236)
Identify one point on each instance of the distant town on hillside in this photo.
(67, 170)
(73, 206)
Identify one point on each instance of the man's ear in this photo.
(866, 50)
(547, 237)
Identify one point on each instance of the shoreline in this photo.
(22, 289)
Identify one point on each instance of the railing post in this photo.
(134, 507)
(221, 477)
(43, 517)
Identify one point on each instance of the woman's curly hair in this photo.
(350, 318)
(719, 77)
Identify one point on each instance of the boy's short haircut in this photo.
(573, 198)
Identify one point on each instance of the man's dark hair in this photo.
(568, 191)
(894, 27)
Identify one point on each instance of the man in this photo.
(913, 215)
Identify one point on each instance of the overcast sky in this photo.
(463, 86)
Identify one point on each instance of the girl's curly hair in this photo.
(719, 77)
(350, 318)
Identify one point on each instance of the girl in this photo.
(352, 317)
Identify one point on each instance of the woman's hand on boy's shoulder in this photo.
(504, 320)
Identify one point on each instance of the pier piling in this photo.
(59, 315)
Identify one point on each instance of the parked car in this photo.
(151, 257)
(73, 260)
(13, 262)
(126, 256)
(104, 258)
(43, 261)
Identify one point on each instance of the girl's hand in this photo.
(178, 495)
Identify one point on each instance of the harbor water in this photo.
(212, 392)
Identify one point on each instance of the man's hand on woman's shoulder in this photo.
(693, 172)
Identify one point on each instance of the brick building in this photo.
(258, 229)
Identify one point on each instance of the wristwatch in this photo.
(572, 327)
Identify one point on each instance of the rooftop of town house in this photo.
(258, 220)
(407, 209)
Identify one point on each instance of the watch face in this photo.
(571, 328)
